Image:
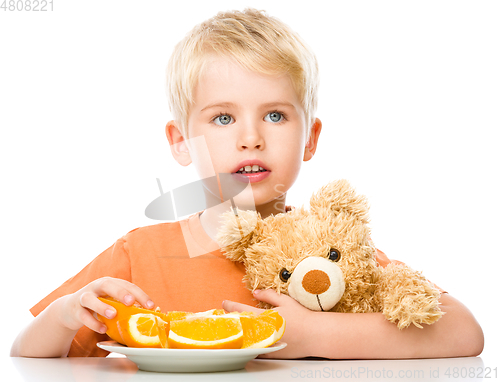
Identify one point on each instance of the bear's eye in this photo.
(334, 255)
(285, 275)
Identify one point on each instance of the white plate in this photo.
(188, 360)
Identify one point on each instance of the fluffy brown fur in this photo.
(338, 218)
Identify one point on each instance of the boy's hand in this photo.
(78, 308)
(295, 316)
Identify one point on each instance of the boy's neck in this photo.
(210, 218)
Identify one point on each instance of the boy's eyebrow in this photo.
(277, 104)
(265, 105)
(219, 104)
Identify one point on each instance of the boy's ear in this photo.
(312, 142)
(178, 146)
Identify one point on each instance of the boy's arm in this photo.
(51, 332)
(44, 336)
(370, 335)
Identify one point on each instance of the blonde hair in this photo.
(255, 40)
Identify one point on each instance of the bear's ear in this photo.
(238, 231)
(339, 196)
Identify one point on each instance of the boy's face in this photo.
(249, 119)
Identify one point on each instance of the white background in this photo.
(409, 101)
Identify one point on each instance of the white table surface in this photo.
(122, 369)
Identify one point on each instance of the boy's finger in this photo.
(91, 302)
(114, 288)
(87, 319)
(271, 297)
(125, 292)
(140, 296)
(231, 306)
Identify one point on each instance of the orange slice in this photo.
(123, 312)
(279, 322)
(143, 330)
(180, 315)
(209, 332)
(263, 330)
(218, 312)
(177, 315)
(135, 326)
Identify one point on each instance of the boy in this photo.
(244, 85)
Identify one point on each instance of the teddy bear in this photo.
(324, 258)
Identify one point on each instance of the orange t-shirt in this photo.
(177, 264)
(156, 259)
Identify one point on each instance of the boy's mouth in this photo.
(251, 169)
(250, 166)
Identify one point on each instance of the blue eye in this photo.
(274, 117)
(223, 120)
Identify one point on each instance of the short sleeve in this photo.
(113, 262)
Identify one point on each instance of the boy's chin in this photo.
(245, 200)
(259, 201)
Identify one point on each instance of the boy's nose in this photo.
(257, 146)
(251, 138)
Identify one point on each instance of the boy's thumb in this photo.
(270, 296)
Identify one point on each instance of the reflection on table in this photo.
(122, 369)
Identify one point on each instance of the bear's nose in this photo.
(316, 281)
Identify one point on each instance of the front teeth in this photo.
(251, 169)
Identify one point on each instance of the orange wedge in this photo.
(177, 315)
(123, 312)
(214, 329)
(208, 332)
(218, 312)
(180, 315)
(279, 322)
(263, 330)
(143, 330)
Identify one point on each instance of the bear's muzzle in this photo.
(317, 283)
